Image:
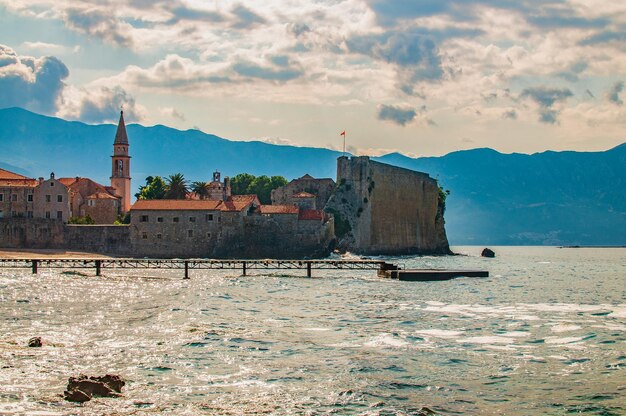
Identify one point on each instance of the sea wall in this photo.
(41, 233)
(389, 210)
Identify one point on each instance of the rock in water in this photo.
(82, 388)
(35, 342)
(487, 252)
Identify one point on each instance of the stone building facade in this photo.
(16, 195)
(322, 189)
(237, 228)
(389, 210)
(52, 200)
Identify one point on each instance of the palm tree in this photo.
(200, 188)
(176, 187)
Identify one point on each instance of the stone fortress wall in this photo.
(390, 210)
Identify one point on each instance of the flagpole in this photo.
(344, 143)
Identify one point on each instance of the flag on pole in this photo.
(343, 133)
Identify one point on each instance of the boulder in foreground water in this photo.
(487, 252)
(83, 388)
(35, 342)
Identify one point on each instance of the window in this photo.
(51, 183)
(29, 214)
(13, 197)
(143, 218)
(219, 219)
(91, 202)
(1, 214)
(48, 198)
(60, 215)
(59, 198)
(208, 235)
(14, 213)
(159, 236)
(144, 236)
(48, 214)
(209, 217)
(29, 198)
(159, 219)
(175, 219)
(1, 197)
(192, 219)
(189, 233)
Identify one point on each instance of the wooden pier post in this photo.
(98, 266)
(308, 269)
(186, 270)
(244, 268)
(35, 264)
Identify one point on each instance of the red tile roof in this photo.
(303, 195)
(19, 183)
(278, 209)
(5, 174)
(68, 181)
(10, 179)
(176, 205)
(311, 214)
(102, 195)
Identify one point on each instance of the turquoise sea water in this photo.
(545, 334)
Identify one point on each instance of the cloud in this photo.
(252, 70)
(510, 114)
(181, 12)
(99, 23)
(172, 112)
(613, 95)
(32, 83)
(95, 104)
(298, 29)
(246, 18)
(396, 114)
(547, 98)
(605, 36)
(415, 55)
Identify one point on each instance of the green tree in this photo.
(261, 186)
(240, 184)
(200, 188)
(86, 220)
(154, 188)
(176, 187)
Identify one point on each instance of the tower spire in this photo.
(120, 135)
(120, 170)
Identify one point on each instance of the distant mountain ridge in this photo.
(544, 198)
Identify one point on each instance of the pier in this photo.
(187, 265)
(383, 268)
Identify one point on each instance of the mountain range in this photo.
(556, 198)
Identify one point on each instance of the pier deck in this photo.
(429, 275)
(197, 264)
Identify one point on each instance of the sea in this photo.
(543, 335)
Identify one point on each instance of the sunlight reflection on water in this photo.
(544, 334)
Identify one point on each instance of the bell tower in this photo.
(120, 172)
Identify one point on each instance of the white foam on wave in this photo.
(487, 339)
(562, 341)
(564, 328)
(317, 329)
(515, 334)
(386, 341)
(439, 333)
(618, 312)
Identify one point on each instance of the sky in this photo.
(421, 77)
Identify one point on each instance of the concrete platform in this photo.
(429, 275)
